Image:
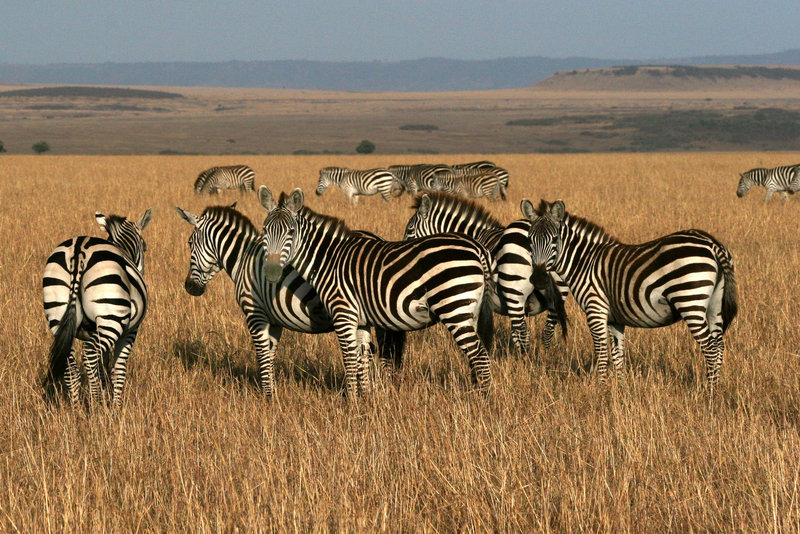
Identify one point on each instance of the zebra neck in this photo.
(318, 242)
(235, 248)
(581, 242)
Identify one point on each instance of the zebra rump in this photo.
(212, 180)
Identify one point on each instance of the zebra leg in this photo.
(348, 343)
(119, 372)
(549, 331)
(265, 340)
(617, 334)
(93, 350)
(598, 327)
(391, 344)
(769, 194)
(520, 335)
(365, 351)
(466, 337)
(713, 353)
(72, 377)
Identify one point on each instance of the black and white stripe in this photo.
(781, 180)
(484, 165)
(470, 183)
(224, 239)
(94, 290)
(419, 177)
(355, 183)
(514, 295)
(687, 275)
(403, 286)
(212, 180)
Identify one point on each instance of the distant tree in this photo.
(366, 147)
(2, 148)
(41, 147)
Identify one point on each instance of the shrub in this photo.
(2, 148)
(41, 147)
(420, 127)
(365, 147)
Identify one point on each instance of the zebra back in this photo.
(227, 177)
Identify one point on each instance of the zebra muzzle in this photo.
(540, 278)
(193, 288)
(272, 268)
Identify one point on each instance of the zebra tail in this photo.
(65, 334)
(502, 189)
(556, 306)
(486, 314)
(730, 304)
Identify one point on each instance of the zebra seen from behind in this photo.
(514, 294)
(781, 180)
(484, 165)
(687, 275)
(213, 180)
(225, 239)
(94, 290)
(355, 183)
(470, 184)
(402, 286)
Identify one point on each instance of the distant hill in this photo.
(674, 78)
(91, 92)
(430, 74)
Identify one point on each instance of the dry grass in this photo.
(196, 447)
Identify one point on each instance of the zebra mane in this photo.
(586, 227)
(232, 214)
(318, 218)
(449, 202)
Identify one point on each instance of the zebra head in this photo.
(545, 237)
(326, 179)
(280, 230)
(745, 183)
(205, 262)
(416, 226)
(127, 235)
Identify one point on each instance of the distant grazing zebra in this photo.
(781, 180)
(94, 290)
(418, 177)
(515, 295)
(686, 275)
(502, 174)
(212, 180)
(355, 183)
(406, 285)
(224, 238)
(468, 184)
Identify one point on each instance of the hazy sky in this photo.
(89, 31)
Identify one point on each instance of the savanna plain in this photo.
(197, 447)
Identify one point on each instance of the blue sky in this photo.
(90, 31)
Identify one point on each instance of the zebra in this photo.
(470, 184)
(515, 295)
(355, 183)
(94, 290)
(419, 177)
(402, 286)
(686, 275)
(225, 239)
(214, 179)
(484, 165)
(781, 180)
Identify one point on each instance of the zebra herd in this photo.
(456, 265)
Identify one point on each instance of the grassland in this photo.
(197, 448)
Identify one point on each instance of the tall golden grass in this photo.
(196, 447)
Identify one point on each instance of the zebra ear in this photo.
(102, 220)
(145, 220)
(527, 209)
(557, 210)
(424, 206)
(266, 199)
(186, 216)
(295, 201)
(233, 206)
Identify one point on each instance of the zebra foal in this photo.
(355, 183)
(686, 275)
(213, 180)
(224, 239)
(400, 286)
(94, 291)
